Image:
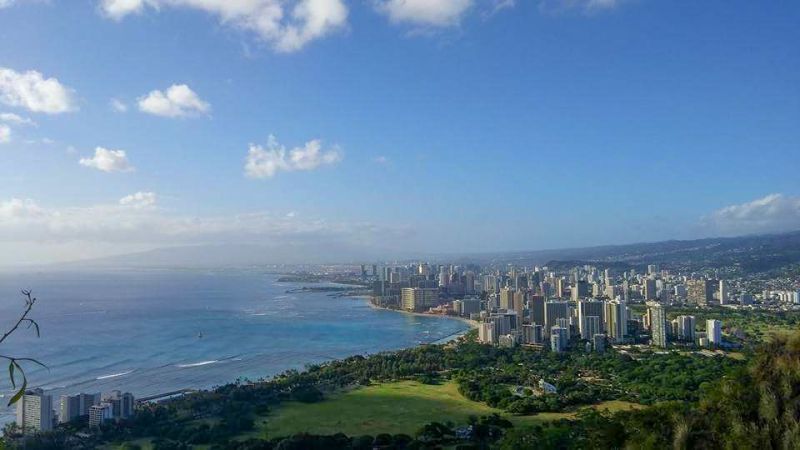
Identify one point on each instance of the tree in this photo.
(15, 370)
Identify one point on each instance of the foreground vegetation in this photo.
(396, 408)
(477, 396)
(392, 408)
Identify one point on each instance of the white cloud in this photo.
(16, 119)
(5, 133)
(287, 25)
(500, 5)
(264, 162)
(773, 213)
(30, 90)
(117, 9)
(139, 200)
(178, 101)
(6, 3)
(382, 160)
(18, 209)
(437, 13)
(108, 161)
(117, 105)
(123, 223)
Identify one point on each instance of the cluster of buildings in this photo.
(36, 412)
(520, 317)
(785, 297)
(681, 329)
(543, 307)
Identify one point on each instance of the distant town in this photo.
(584, 305)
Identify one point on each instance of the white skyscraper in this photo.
(658, 324)
(724, 295)
(714, 331)
(487, 333)
(35, 411)
(686, 326)
(616, 320)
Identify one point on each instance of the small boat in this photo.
(200, 335)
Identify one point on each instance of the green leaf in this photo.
(20, 392)
(11, 374)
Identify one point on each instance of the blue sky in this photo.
(419, 125)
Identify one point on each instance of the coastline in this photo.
(471, 323)
(145, 372)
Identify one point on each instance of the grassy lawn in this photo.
(401, 407)
(385, 408)
(392, 408)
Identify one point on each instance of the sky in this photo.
(430, 126)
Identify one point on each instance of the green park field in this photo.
(402, 407)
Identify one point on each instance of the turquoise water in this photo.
(138, 331)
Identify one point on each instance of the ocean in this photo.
(155, 331)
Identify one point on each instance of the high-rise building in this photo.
(470, 305)
(616, 320)
(35, 411)
(724, 295)
(469, 283)
(504, 323)
(518, 306)
(122, 404)
(686, 327)
(444, 276)
(537, 309)
(419, 299)
(72, 407)
(486, 333)
(507, 298)
(559, 339)
(650, 292)
(714, 331)
(580, 290)
(590, 308)
(560, 287)
(538, 334)
(100, 413)
(490, 284)
(699, 292)
(658, 324)
(532, 334)
(591, 325)
(554, 311)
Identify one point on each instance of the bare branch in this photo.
(14, 366)
(29, 301)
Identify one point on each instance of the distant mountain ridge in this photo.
(752, 253)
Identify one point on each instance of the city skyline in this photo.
(436, 127)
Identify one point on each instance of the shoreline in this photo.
(8, 414)
(447, 339)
